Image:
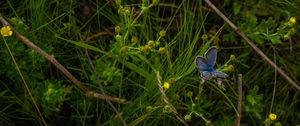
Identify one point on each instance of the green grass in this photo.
(127, 49)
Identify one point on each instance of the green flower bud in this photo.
(292, 31)
(149, 108)
(286, 36)
(204, 37)
(193, 105)
(176, 97)
(162, 33)
(229, 68)
(127, 10)
(208, 123)
(117, 29)
(155, 2)
(121, 10)
(145, 49)
(119, 38)
(118, 2)
(232, 57)
(145, 8)
(190, 94)
(124, 49)
(187, 118)
(162, 50)
(157, 43)
(167, 109)
(151, 43)
(134, 39)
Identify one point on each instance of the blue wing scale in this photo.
(201, 63)
(211, 56)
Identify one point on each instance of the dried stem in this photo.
(52, 59)
(166, 100)
(240, 96)
(263, 56)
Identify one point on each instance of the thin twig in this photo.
(166, 100)
(239, 32)
(107, 32)
(274, 87)
(52, 59)
(240, 96)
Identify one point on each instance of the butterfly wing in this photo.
(206, 75)
(201, 63)
(219, 74)
(211, 56)
(205, 65)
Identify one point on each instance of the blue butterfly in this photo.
(206, 65)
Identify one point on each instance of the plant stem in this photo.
(240, 96)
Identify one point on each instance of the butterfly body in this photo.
(206, 65)
(209, 68)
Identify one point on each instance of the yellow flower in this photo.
(6, 31)
(292, 20)
(272, 116)
(166, 85)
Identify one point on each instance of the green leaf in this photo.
(236, 8)
(83, 45)
(3, 93)
(256, 38)
(251, 100)
(229, 38)
(275, 40)
(137, 69)
(267, 26)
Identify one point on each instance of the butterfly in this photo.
(206, 65)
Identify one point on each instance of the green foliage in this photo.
(267, 30)
(129, 42)
(51, 94)
(254, 103)
(107, 73)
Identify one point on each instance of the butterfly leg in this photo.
(202, 81)
(222, 86)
